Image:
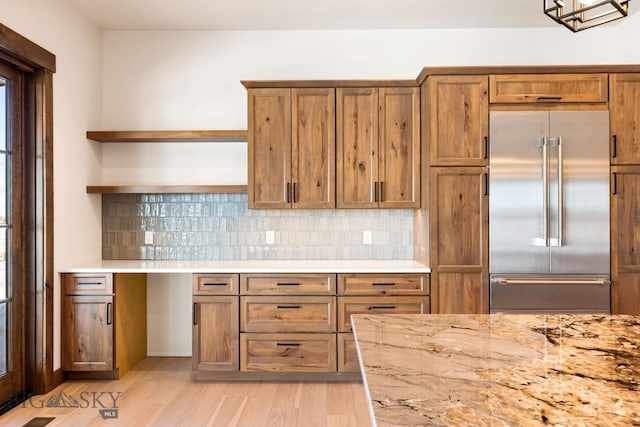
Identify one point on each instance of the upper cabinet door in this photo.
(458, 110)
(313, 148)
(399, 148)
(269, 148)
(624, 107)
(357, 147)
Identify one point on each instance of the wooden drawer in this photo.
(288, 352)
(288, 284)
(383, 284)
(527, 88)
(347, 353)
(287, 314)
(381, 305)
(215, 284)
(88, 284)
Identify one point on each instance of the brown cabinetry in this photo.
(457, 110)
(541, 88)
(459, 239)
(378, 147)
(103, 324)
(291, 148)
(624, 107)
(215, 322)
(625, 240)
(375, 293)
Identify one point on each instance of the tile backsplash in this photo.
(221, 227)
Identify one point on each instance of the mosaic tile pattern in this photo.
(220, 226)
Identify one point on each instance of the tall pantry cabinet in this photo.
(624, 107)
(456, 117)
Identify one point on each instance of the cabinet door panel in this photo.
(357, 142)
(88, 333)
(459, 120)
(624, 106)
(287, 284)
(269, 147)
(399, 146)
(288, 314)
(288, 352)
(215, 333)
(534, 88)
(378, 305)
(625, 240)
(347, 353)
(462, 293)
(313, 148)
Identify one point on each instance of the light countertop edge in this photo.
(252, 266)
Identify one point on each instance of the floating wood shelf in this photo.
(131, 136)
(164, 189)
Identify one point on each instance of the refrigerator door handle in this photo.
(541, 281)
(557, 241)
(544, 141)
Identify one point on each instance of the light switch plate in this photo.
(270, 237)
(367, 238)
(148, 237)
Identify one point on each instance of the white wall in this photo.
(76, 43)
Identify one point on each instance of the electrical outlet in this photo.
(366, 237)
(148, 237)
(270, 237)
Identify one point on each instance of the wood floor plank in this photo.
(161, 392)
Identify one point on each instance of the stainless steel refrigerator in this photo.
(549, 211)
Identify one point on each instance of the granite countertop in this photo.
(253, 266)
(500, 369)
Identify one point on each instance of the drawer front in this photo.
(288, 284)
(347, 353)
(88, 284)
(287, 314)
(383, 284)
(288, 352)
(528, 88)
(378, 305)
(215, 284)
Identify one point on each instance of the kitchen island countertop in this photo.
(500, 370)
(252, 266)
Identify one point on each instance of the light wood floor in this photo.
(160, 392)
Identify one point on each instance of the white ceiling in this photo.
(311, 14)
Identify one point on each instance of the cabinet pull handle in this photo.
(549, 98)
(615, 183)
(194, 314)
(375, 191)
(288, 284)
(288, 191)
(109, 319)
(382, 307)
(614, 148)
(486, 184)
(295, 192)
(381, 191)
(288, 306)
(486, 147)
(383, 284)
(89, 283)
(288, 344)
(214, 284)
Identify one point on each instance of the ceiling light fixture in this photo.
(578, 15)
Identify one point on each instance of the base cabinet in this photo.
(215, 333)
(104, 324)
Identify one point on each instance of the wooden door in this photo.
(357, 147)
(215, 333)
(88, 333)
(458, 112)
(313, 164)
(459, 209)
(399, 146)
(269, 148)
(625, 240)
(624, 107)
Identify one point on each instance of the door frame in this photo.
(37, 65)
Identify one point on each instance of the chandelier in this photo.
(578, 15)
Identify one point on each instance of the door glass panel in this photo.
(4, 230)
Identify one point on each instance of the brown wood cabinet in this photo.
(459, 239)
(624, 107)
(625, 240)
(288, 352)
(541, 88)
(103, 324)
(215, 339)
(378, 147)
(457, 110)
(291, 148)
(375, 293)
